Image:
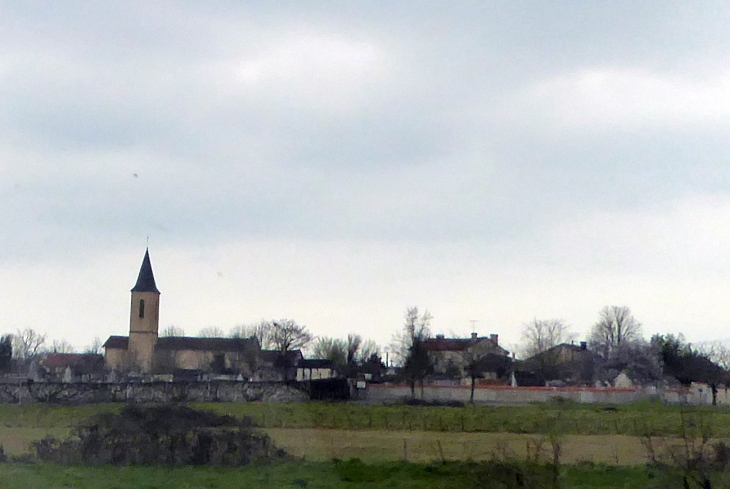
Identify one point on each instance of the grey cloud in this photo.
(427, 149)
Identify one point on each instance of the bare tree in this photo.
(415, 326)
(616, 326)
(262, 331)
(367, 350)
(173, 331)
(61, 346)
(409, 346)
(95, 346)
(332, 349)
(643, 360)
(539, 335)
(539, 339)
(27, 344)
(716, 351)
(353, 347)
(473, 358)
(287, 335)
(211, 332)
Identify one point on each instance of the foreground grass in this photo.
(350, 474)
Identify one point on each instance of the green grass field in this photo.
(565, 417)
(325, 475)
(599, 443)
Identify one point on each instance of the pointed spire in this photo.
(146, 279)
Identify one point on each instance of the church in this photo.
(143, 351)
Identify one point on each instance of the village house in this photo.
(72, 366)
(315, 370)
(567, 362)
(278, 366)
(451, 357)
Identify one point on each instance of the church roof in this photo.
(57, 360)
(316, 363)
(190, 343)
(121, 342)
(206, 344)
(439, 343)
(146, 279)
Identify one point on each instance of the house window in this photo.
(141, 308)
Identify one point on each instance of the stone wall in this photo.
(233, 391)
(386, 393)
(214, 391)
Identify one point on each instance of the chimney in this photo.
(583, 345)
(474, 336)
(494, 338)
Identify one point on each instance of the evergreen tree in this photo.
(6, 352)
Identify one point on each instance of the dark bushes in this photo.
(166, 435)
(487, 475)
(433, 403)
(329, 390)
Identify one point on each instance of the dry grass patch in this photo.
(420, 446)
(424, 446)
(16, 441)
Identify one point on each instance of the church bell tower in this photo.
(144, 318)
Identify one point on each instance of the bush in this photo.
(165, 435)
(720, 455)
(507, 475)
(492, 474)
(434, 403)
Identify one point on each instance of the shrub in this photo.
(433, 403)
(166, 435)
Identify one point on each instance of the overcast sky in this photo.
(337, 162)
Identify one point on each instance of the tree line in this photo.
(18, 350)
(615, 338)
(619, 344)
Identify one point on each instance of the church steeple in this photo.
(144, 318)
(146, 279)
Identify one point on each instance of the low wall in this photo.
(384, 393)
(214, 391)
(232, 391)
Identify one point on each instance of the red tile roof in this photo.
(58, 360)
